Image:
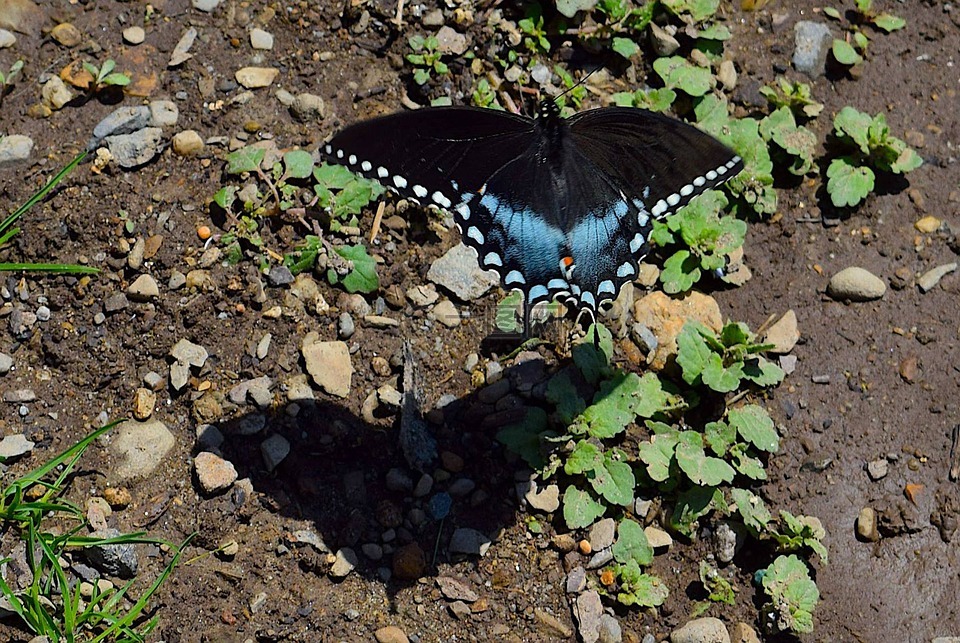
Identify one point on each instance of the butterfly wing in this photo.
(432, 155)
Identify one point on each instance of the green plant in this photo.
(795, 95)
(723, 361)
(709, 240)
(869, 146)
(679, 73)
(794, 141)
(847, 53)
(793, 596)
(865, 14)
(6, 79)
(427, 58)
(534, 34)
(484, 95)
(104, 76)
(656, 100)
(51, 605)
(8, 230)
(692, 11)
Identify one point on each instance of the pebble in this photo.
(727, 75)
(664, 317)
(878, 469)
(459, 272)
(424, 486)
(409, 562)
(263, 346)
(14, 148)
(743, 633)
(7, 39)
(6, 363)
(55, 93)
(346, 561)
(117, 497)
(587, 611)
(187, 143)
(256, 389)
(279, 276)
(576, 580)
(449, 41)
(20, 395)
(546, 501)
(728, 540)
(610, 630)
(328, 364)
(390, 634)
(206, 6)
(181, 51)
(139, 447)
(927, 224)
(14, 446)
(553, 626)
(783, 333)
(143, 288)
(446, 313)
(856, 284)
(663, 43)
(469, 541)
(423, 295)
(66, 34)
(164, 113)
(308, 107)
(657, 538)
(456, 590)
(602, 533)
(701, 630)
(135, 149)
(134, 35)
(113, 560)
(932, 277)
(144, 401)
(867, 525)
(812, 42)
(209, 436)
(260, 39)
(177, 280)
(256, 77)
(123, 120)
(213, 472)
(298, 388)
(274, 450)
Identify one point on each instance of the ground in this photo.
(874, 380)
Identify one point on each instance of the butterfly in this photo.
(559, 207)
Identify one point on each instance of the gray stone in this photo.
(113, 560)
(576, 580)
(878, 469)
(729, 538)
(260, 39)
(345, 563)
(274, 450)
(602, 533)
(856, 284)
(136, 149)
(932, 277)
(143, 288)
(547, 500)
(7, 39)
(587, 611)
(783, 333)
(812, 43)
(701, 630)
(123, 120)
(328, 364)
(213, 472)
(187, 143)
(398, 480)
(134, 35)
(469, 541)
(6, 363)
(115, 302)
(181, 51)
(459, 272)
(449, 41)
(456, 590)
(256, 77)
(164, 113)
(423, 295)
(308, 107)
(446, 313)
(139, 447)
(20, 395)
(662, 41)
(206, 6)
(56, 94)
(610, 630)
(279, 276)
(14, 148)
(657, 538)
(345, 325)
(432, 18)
(257, 389)
(209, 436)
(187, 352)
(14, 446)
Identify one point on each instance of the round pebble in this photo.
(856, 284)
(134, 35)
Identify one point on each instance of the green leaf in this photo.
(762, 372)
(657, 454)
(632, 544)
(845, 54)
(614, 480)
(830, 12)
(907, 161)
(421, 76)
(305, 256)
(117, 79)
(847, 183)
(718, 588)
(586, 457)
(748, 465)
(754, 425)
(719, 436)
(680, 272)
(697, 10)
(246, 159)
(856, 125)
(795, 596)
(637, 588)
(626, 47)
(678, 73)
(298, 164)
(593, 360)
(523, 438)
(700, 468)
(889, 22)
(225, 196)
(363, 277)
(569, 8)
(715, 31)
(720, 378)
(693, 353)
(562, 392)
(692, 505)
(797, 141)
(751, 508)
(580, 509)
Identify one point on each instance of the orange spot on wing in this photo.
(567, 261)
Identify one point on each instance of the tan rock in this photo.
(665, 316)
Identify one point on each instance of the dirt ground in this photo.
(870, 405)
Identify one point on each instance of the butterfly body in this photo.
(558, 207)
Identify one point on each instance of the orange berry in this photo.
(204, 232)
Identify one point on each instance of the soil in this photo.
(889, 391)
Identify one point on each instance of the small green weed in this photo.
(105, 76)
(656, 100)
(534, 34)
(51, 605)
(795, 95)
(864, 13)
(426, 58)
(793, 596)
(867, 145)
(7, 79)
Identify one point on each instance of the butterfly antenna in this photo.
(580, 82)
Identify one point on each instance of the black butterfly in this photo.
(558, 207)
